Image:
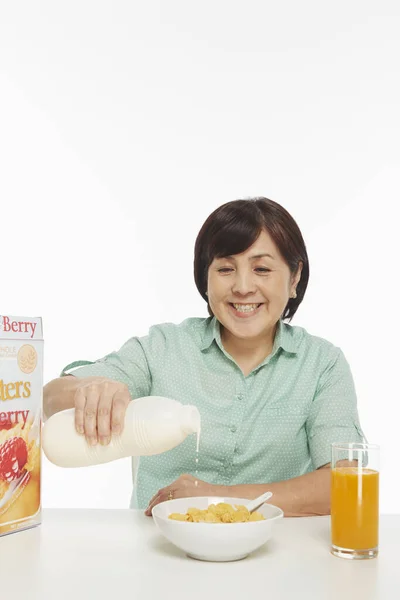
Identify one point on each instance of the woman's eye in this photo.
(263, 270)
(224, 270)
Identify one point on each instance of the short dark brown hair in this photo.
(233, 227)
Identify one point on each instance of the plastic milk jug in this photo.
(153, 425)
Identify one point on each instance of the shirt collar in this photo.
(211, 333)
(283, 338)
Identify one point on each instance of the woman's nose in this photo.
(243, 284)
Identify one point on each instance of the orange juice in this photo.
(354, 508)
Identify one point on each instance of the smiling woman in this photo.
(272, 397)
(249, 261)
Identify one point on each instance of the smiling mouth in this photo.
(245, 308)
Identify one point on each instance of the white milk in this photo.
(21, 385)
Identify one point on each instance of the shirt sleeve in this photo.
(333, 416)
(128, 365)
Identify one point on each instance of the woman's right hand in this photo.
(100, 406)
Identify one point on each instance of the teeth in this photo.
(245, 307)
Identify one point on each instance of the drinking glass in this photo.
(355, 500)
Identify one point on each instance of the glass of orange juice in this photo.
(355, 500)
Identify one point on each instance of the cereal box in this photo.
(21, 385)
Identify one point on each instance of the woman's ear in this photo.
(295, 280)
(298, 274)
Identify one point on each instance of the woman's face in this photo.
(248, 292)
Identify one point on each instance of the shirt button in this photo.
(233, 428)
(240, 396)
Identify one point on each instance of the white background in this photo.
(124, 124)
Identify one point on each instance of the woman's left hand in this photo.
(185, 486)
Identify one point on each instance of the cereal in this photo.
(218, 513)
(21, 356)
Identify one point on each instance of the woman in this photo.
(272, 397)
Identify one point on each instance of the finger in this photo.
(156, 500)
(164, 492)
(161, 496)
(155, 496)
(90, 422)
(80, 401)
(104, 415)
(118, 409)
(148, 510)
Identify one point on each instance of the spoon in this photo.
(257, 502)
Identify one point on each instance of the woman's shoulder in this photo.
(189, 324)
(193, 327)
(308, 343)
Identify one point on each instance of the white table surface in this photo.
(118, 554)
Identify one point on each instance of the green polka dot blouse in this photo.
(276, 423)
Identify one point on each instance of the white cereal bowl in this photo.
(217, 542)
